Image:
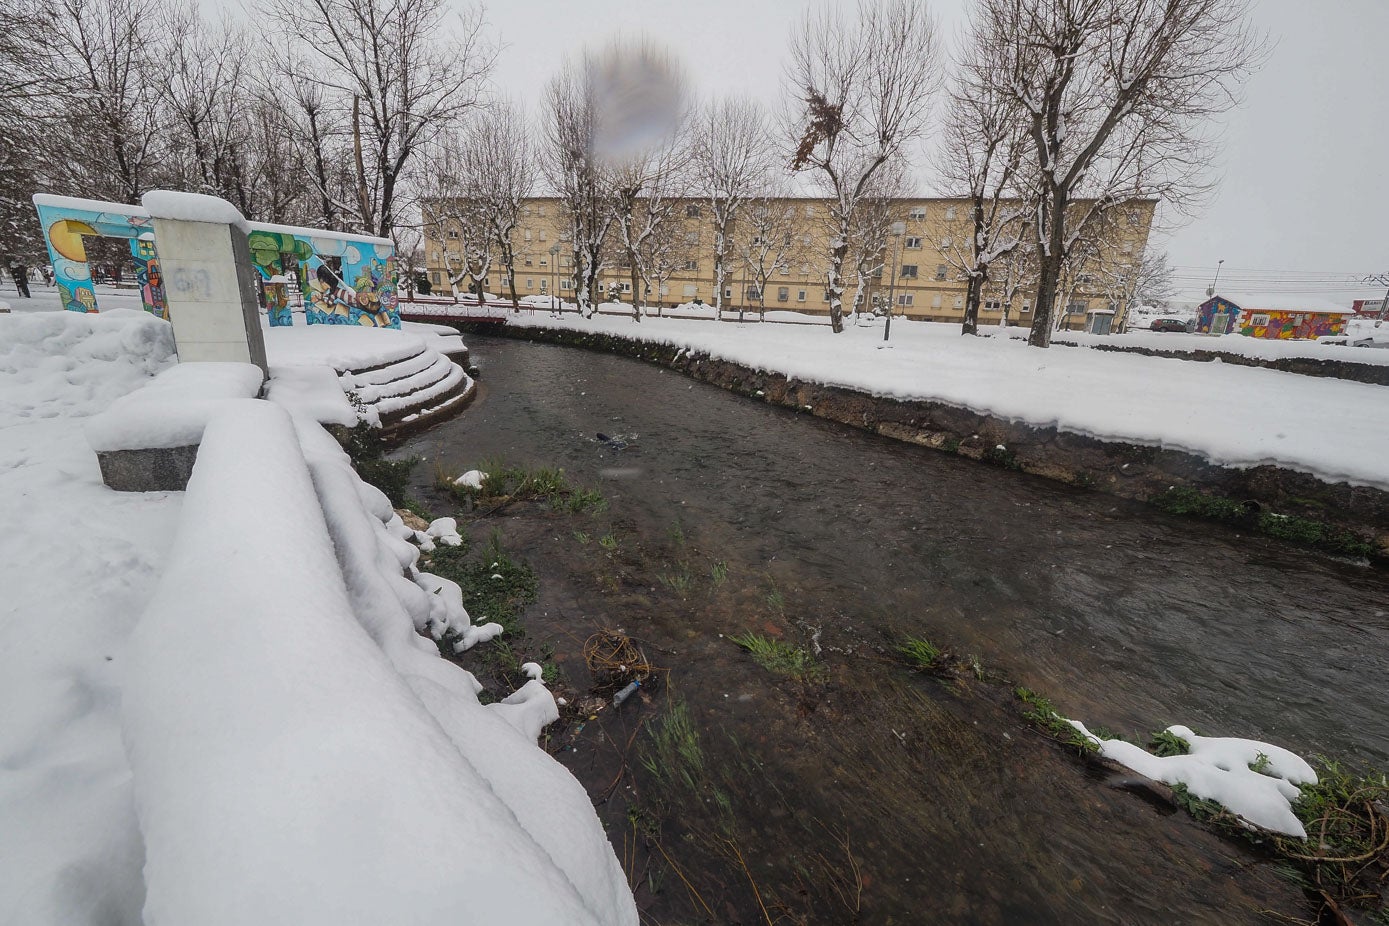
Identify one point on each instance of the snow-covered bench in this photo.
(146, 441)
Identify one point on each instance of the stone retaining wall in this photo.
(1126, 470)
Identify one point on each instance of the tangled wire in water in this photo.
(614, 660)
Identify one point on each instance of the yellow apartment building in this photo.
(919, 272)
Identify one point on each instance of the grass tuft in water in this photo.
(1043, 714)
(920, 653)
(507, 482)
(778, 656)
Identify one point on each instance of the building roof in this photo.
(1283, 302)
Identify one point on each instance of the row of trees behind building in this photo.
(1051, 120)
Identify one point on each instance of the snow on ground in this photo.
(299, 752)
(1231, 415)
(1223, 769)
(1257, 348)
(339, 346)
(78, 563)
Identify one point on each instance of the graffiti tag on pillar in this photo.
(194, 284)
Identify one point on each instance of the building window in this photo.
(528, 261)
(754, 292)
(1259, 321)
(782, 294)
(541, 210)
(543, 281)
(800, 295)
(626, 287)
(918, 213)
(563, 284)
(544, 236)
(530, 283)
(908, 271)
(691, 265)
(453, 233)
(1026, 307)
(946, 242)
(728, 292)
(941, 270)
(949, 213)
(784, 269)
(434, 278)
(992, 305)
(935, 301)
(1076, 308)
(912, 243)
(809, 211)
(663, 289)
(959, 302)
(904, 299)
(543, 262)
(692, 211)
(528, 235)
(691, 290)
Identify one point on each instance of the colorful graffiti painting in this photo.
(1289, 325)
(345, 279)
(66, 222)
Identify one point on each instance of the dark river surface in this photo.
(1124, 617)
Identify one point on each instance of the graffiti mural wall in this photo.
(67, 221)
(345, 279)
(1266, 317)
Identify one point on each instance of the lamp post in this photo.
(1218, 264)
(554, 275)
(899, 229)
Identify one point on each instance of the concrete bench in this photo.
(147, 441)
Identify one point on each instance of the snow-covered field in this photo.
(219, 708)
(1231, 415)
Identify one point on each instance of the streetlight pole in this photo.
(899, 229)
(554, 275)
(1218, 265)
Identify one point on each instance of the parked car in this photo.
(1168, 324)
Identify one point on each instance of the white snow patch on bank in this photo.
(1231, 415)
(1218, 769)
(173, 410)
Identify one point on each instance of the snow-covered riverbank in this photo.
(1237, 417)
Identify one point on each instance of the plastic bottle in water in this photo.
(625, 693)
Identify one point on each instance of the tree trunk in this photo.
(836, 279)
(1050, 257)
(972, 296)
(637, 299)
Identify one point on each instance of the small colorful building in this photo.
(1273, 317)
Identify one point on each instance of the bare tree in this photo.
(499, 175)
(733, 162)
(983, 145)
(766, 243)
(577, 175)
(1116, 94)
(862, 89)
(872, 228)
(203, 87)
(110, 71)
(403, 75)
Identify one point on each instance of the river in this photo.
(1123, 616)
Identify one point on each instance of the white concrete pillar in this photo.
(209, 282)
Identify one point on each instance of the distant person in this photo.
(21, 278)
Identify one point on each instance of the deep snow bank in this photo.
(78, 563)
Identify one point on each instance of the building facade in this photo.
(780, 260)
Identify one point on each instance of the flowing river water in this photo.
(874, 794)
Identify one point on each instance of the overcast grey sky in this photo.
(1304, 169)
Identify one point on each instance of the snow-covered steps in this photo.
(399, 380)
